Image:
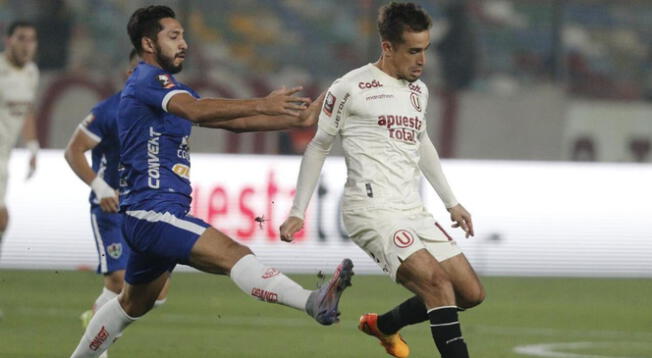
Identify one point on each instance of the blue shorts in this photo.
(112, 250)
(160, 236)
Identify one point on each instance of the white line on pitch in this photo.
(556, 350)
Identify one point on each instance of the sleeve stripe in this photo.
(169, 96)
(92, 135)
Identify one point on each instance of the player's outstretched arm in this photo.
(280, 102)
(311, 164)
(79, 144)
(306, 118)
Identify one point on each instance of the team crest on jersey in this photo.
(114, 250)
(165, 80)
(416, 102)
(403, 238)
(329, 104)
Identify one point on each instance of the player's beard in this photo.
(16, 59)
(167, 63)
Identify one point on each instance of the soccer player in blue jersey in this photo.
(98, 132)
(155, 116)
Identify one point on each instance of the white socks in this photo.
(268, 284)
(107, 324)
(249, 274)
(103, 298)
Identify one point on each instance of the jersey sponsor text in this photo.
(153, 161)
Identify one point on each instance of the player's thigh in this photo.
(137, 299)
(215, 252)
(159, 239)
(468, 288)
(387, 236)
(422, 274)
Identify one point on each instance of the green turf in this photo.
(207, 316)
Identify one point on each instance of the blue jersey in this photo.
(154, 143)
(101, 126)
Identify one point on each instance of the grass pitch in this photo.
(207, 316)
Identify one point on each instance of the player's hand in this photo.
(310, 116)
(32, 167)
(462, 218)
(290, 227)
(109, 204)
(106, 195)
(283, 102)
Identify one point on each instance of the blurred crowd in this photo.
(599, 49)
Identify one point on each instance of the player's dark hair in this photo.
(16, 24)
(145, 22)
(394, 18)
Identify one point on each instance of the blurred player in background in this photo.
(155, 116)
(379, 111)
(18, 83)
(98, 132)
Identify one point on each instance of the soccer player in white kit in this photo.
(18, 84)
(379, 112)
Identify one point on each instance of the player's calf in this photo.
(411, 311)
(104, 328)
(447, 332)
(270, 285)
(267, 284)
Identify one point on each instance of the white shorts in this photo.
(390, 236)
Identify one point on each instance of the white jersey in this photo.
(381, 121)
(17, 93)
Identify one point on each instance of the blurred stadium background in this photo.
(540, 107)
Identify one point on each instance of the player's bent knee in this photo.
(137, 300)
(478, 297)
(472, 297)
(135, 307)
(114, 281)
(439, 283)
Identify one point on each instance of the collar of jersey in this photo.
(387, 78)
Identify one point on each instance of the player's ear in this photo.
(387, 48)
(147, 44)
